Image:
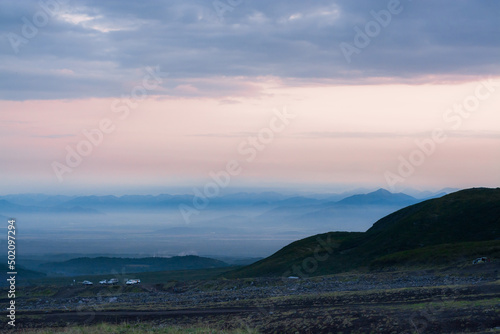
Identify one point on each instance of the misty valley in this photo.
(267, 262)
(245, 225)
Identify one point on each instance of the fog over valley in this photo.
(244, 225)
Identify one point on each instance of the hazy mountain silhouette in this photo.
(469, 216)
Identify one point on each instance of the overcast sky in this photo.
(365, 81)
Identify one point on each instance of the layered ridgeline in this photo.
(452, 229)
(110, 265)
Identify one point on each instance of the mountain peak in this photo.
(380, 197)
(381, 191)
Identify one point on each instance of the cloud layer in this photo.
(80, 49)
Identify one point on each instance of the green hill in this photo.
(22, 275)
(467, 215)
(289, 257)
(110, 265)
(471, 215)
(459, 253)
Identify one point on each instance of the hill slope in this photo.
(467, 215)
(296, 255)
(22, 275)
(471, 215)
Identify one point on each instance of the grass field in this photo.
(137, 328)
(456, 254)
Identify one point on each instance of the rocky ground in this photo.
(450, 301)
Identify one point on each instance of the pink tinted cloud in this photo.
(341, 134)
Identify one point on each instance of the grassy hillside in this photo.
(23, 275)
(458, 254)
(321, 246)
(21, 272)
(469, 216)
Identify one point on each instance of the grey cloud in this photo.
(293, 39)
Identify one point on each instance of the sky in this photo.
(116, 97)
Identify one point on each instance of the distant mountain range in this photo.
(468, 219)
(448, 229)
(95, 204)
(348, 214)
(379, 197)
(116, 265)
(7, 207)
(272, 216)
